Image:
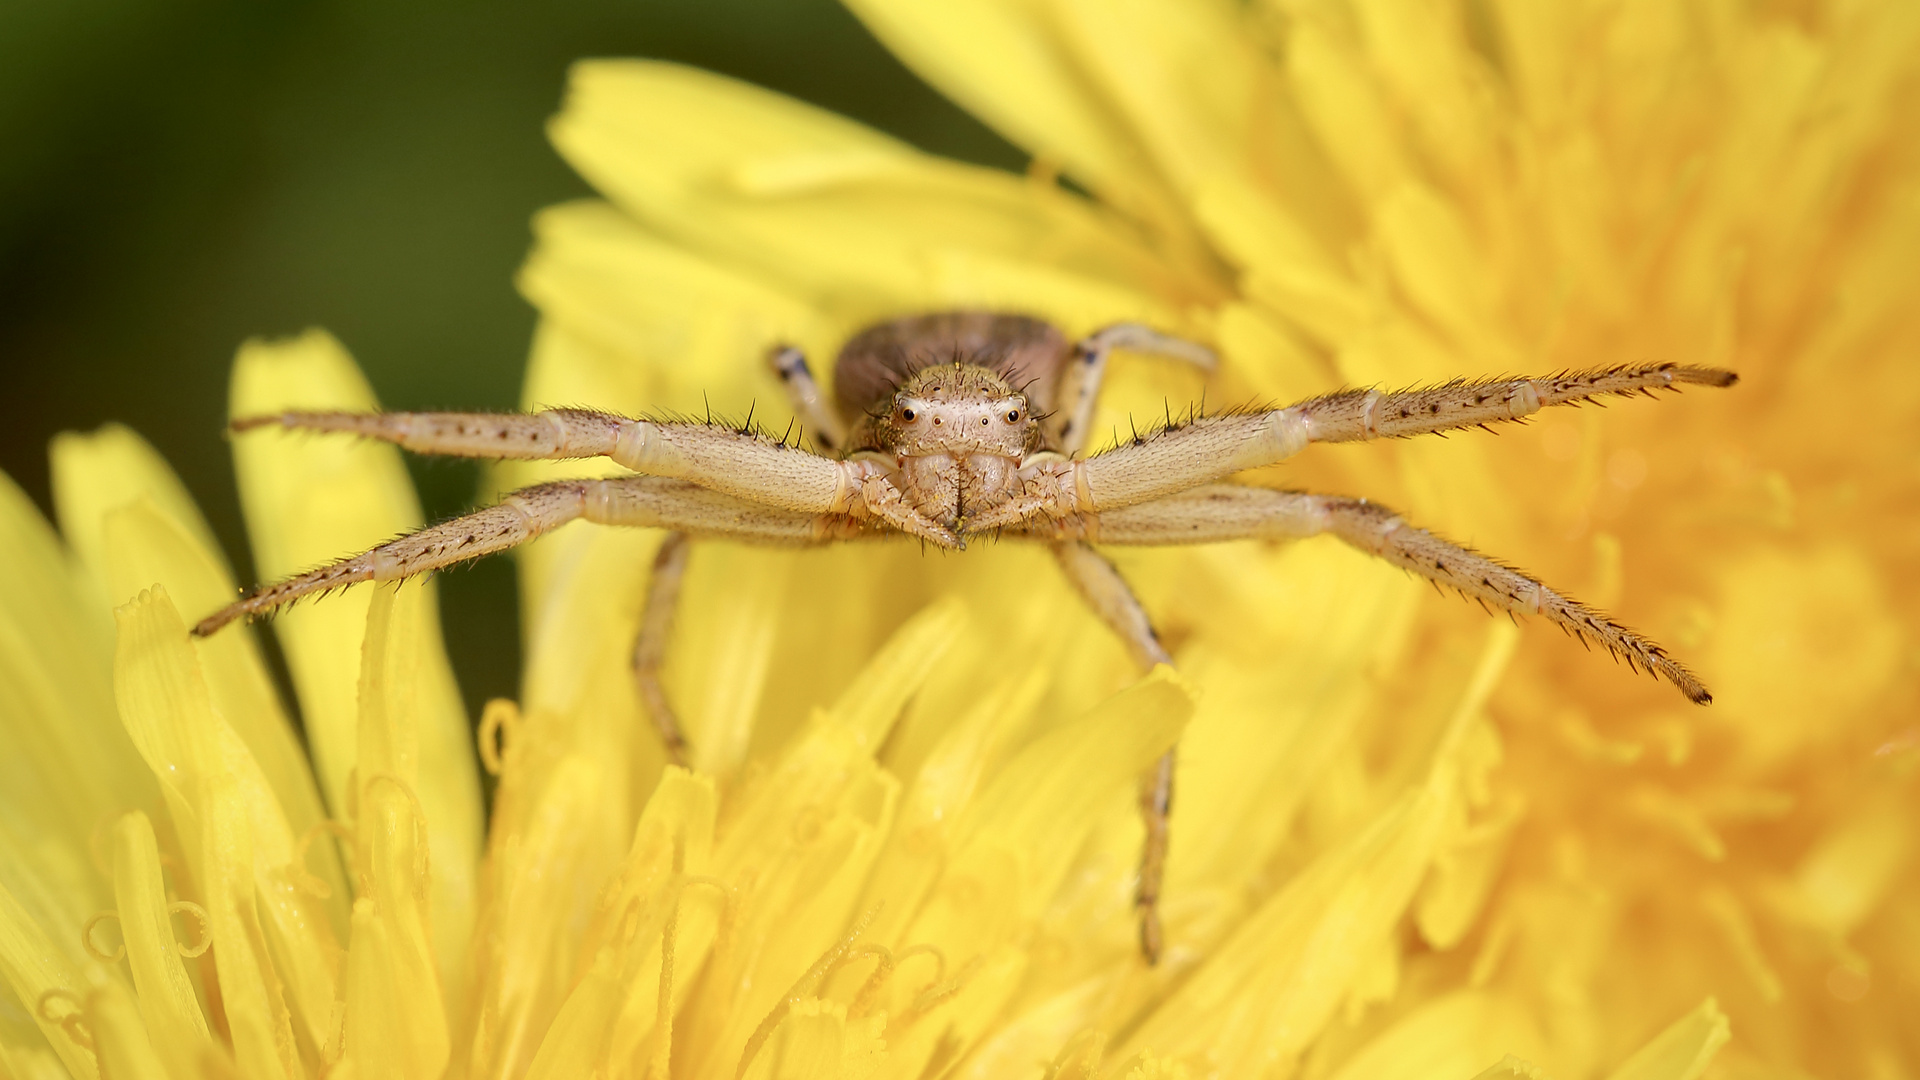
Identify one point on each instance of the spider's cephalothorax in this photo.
(957, 433)
(958, 423)
(947, 404)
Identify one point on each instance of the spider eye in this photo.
(1013, 416)
(908, 415)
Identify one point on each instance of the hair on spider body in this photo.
(959, 424)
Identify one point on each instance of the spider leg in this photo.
(1185, 454)
(1220, 512)
(650, 644)
(829, 432)
(740, 463)
(1361, 415)
(1106, 592)
(533, 511)
(1080, 378)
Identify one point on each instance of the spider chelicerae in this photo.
(956, 424)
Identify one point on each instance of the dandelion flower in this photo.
(1409, 841)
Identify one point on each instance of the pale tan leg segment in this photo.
(1107, 593)
(808, 402)
(740, 463)
(1156, 813)
(650, 645)
(556, 433)
(519, 518)
(1081, 377)
(1356, 415)
(1184, 455)
(1228, 512)
(633, 500)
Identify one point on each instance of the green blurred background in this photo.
(179, 175)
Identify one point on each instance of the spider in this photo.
(951, 425)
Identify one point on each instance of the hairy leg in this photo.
(1214, 447)
(1083, 372)
(530, 512)
(1106, 592)
(1360, 415)
(1229, 512)
(650, 645)
(744, 464)
(808, 402)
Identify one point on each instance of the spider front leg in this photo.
(1222, 512)
(740, 463)
(1209, 448)
(1106, 592)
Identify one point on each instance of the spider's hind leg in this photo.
(1106, 592)
(650, 644)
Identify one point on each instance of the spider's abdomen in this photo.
(876, 362)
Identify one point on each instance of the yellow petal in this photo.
(46, 983)
(799, 846)
(1266, 992)
(99, 472)
(140, 545)
(816, 1041)
(1464, 874)
(167, 1001)
(388, 737)
(1001, 61)
(1183, 74)
(1448, 1036)
(1014, 843)
(553, 845)
(613, 1016)
(1262, 237)
(396, 1026)
(396, 1019)
(868, 708)
(666, 874)
(1852, 867)
(1513, 1068)
(1682, 1051)
(1428, 62)
(1801, 634)
(309, 500)
(1343, 104)
(628, 293)
(1272, 985)
(575, 1042)
(718, 660)
(1426, 239)
(124, 1051)
(838, 214)
(165, 705)
(68, 769)
(945, 784)
(1278, 703)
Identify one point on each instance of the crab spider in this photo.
(950, 425)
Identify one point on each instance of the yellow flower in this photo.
(1408, 840)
